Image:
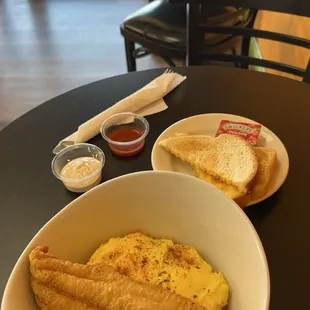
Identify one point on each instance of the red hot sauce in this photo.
(126, 134)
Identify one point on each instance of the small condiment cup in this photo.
(83, 184)
(125, 122)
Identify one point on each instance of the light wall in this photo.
(285, 53)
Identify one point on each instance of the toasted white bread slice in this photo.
(230, 190)
(182, 145)
(267, 159)
(228, 158)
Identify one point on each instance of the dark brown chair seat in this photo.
(160, 28)
(159, 21)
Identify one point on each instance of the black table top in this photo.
(31, 195)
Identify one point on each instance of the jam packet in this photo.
(249, 132)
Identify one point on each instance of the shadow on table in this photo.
(259, 212)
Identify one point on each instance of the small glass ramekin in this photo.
(127, 121)
(83, 184)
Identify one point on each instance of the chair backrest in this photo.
(196, 28)
(297, 7)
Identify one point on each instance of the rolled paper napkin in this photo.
(146, 101)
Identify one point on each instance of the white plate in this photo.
(207, 124)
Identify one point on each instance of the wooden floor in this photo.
(50, 46)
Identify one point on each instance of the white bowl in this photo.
(162, 204)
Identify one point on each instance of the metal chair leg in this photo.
(246, 41)
(307, 73)
(168, 61)
(245, 49)
(234, 52)
(192, 33)
(131, 61)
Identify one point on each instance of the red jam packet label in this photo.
(250, 132)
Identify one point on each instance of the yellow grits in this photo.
(178, 268)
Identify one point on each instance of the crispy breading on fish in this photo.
(63, 285)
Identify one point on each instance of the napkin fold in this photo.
(146, 101)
